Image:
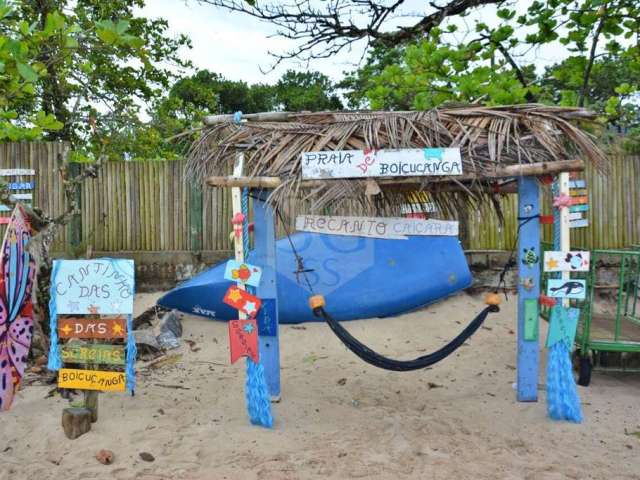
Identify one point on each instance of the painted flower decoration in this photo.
(562, 201)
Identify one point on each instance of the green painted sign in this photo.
(531, 319)
(97, 353)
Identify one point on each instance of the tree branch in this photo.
(324, 33)
(592, 57)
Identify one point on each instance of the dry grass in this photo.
(488, 137)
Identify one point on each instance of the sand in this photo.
(338, 418)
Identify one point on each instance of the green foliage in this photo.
(205, 93)
(79, 70)
(601, 71)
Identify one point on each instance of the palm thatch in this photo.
(488, 137)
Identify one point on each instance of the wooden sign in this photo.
(575, 215)
(381, 163)
(579, 223)
(5, 208)
(577, 184)
(578, 192)
(579, 200)
(579, 208)
(243, 273)
(564, 329)
(99, 286)
(96, 353)
(10, 172)
(390, 228)
(566, 261)
(22, 196)
(561, 288)
(21, 185)
(243, 339)
(115, 327)
(91, 380)
(242, 301)
(5, 220)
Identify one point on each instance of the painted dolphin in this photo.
(569, 288)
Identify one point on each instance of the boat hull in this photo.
(359, 277)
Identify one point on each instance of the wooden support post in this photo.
(75, 225)
(565, 229)
(528, 310)
(195, 218)
(91, 403)
(264, 254)
(76, 421)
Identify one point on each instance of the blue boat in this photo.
(359, 277)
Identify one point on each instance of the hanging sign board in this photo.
(10, 172)
(96, 353)
(372, 227)
(92, 328)
(100, 286)
(243, 339)
(91, 380)
(242, 300)
(243, 273)
(579, 223)
(381, 163)
(566, 261)
(560, 288)
(21, 185)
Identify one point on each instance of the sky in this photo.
(237, 46)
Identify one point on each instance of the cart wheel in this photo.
(584, 371)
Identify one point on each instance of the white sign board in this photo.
(566, 261)
(392, 228)
(381, 163)
(10, 172)
(560, 288)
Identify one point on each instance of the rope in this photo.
(386, 363)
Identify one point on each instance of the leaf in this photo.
(121, 27)
(47, 121)
(26, 72)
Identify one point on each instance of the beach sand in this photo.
(338, 417)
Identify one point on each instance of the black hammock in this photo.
(380, 361)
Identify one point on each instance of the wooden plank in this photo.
(91, 380)
(375, 227)
(12, 172)
(79, 327)
(264, 254)
(381, 163)
(528, 354)
(95, 354)
(578, 192)
(577, 184)
(566, 288)
(21, 185)
(579, 223)
(568, 261)
(579, 200)
(578, 208)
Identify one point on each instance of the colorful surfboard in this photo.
(16, 311)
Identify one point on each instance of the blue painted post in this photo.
(529, 273)
(264, 255)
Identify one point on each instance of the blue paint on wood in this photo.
(529, 238)
(264, 255)
(577, 184)
(578, 208)
(21, 185)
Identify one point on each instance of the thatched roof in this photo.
(488, 137)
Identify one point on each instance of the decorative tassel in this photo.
(256, 391)
(54, 363)
(132, 353)
(563, 402)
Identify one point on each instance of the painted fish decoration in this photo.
(569, 288)
(16, 310)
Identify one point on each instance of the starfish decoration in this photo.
(248, 328)
(552, 264)
(235, 295)
(73, 306)
(117, 329)
(66, 329)
(250, 308)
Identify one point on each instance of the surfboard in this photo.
(16, 310)
(359, 277)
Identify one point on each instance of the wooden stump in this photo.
(76, 421)
(91, 402)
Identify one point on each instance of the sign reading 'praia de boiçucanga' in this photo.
(381, 163)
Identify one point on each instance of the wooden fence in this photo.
(147, 206)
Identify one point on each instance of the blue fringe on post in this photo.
(563, 402)
(256, 391)
(132, 353)
(54, 363)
